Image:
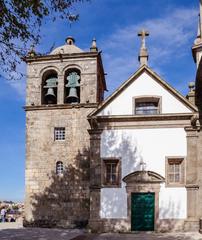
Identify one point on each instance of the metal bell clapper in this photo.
(73, 83)
(51, 83)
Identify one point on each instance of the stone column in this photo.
(191, 224)
(60, 93)
(95, 180)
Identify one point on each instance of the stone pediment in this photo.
(144, 82)
(143, 177)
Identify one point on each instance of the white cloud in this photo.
(169, 37)
(19, 86)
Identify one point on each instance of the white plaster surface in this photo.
(144, 85)
(152, 146)
(114, 203)
(172, 203)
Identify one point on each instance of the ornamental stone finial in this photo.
(143, 55)
(32, 52)
(70, 40)
(197, 47)
(94, 46)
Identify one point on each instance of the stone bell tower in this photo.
(63, 88)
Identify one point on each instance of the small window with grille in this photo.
(175, 171)
(111, 172)
(147, 105)
(59, 133)
(59, 168)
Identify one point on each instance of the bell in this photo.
(72, 97)
(50, 96)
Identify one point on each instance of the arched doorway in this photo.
(143, 199)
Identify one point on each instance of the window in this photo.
(59, 133)
(175, 171)
(111, 172)
(147, 106)
(59, 168)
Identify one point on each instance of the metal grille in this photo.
(59, 168)
(146, 108)
(59, 133)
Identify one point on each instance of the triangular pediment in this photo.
(145, 83)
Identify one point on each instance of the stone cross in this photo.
(143, 34)
(142, 165)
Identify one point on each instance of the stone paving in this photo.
(150, 236)
(9, 231)
(38, 234)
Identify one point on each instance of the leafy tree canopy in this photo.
(20, 22)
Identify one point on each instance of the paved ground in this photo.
(150, 236)
(13, 231)
(38, 234)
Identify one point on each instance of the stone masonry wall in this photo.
(50, 198)
(53, 200)
(88, 84)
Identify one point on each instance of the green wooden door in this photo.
(142, 211)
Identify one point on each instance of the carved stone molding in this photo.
(143, 177)
(144, 181)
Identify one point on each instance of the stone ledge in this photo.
(60, 106)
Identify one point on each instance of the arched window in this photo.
(49, 87)
(72, 86)
(59, 168)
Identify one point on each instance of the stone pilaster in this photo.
(199, 205)
(191, 224)
(95, 179)
(60, 93)
(191, 160)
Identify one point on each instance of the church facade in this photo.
(132, 162)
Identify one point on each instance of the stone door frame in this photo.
(144, 182)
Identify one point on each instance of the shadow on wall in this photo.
(116, 144)
(168, 221)
(114, 203)
(65, 201)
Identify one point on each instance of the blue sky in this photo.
(114, 23)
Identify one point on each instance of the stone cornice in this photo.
(129, 118)
(192, 130)
(95, 134)
(60, 106)
(192, 186)
(40, 58)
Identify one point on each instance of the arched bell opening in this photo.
(49, 87)
(72, 86)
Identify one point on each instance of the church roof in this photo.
(155, 76)
(68, 48)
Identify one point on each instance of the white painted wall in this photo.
(142, 86)
(172, 203)
(152, 146)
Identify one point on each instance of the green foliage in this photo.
(15, 207)
(20, 22)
